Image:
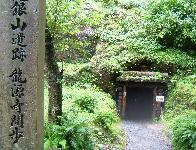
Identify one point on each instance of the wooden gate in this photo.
(138, 101)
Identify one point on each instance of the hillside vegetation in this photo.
(96, 40)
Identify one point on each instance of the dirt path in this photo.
(145, 136)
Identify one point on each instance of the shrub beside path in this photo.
(145, 136)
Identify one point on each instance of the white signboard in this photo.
(159, 98)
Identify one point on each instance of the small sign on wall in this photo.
(160, 98)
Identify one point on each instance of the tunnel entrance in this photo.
(139, 103)
(141, 95)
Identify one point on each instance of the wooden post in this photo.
(124, 101)
(22, 43)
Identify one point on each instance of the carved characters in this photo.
(16, 77)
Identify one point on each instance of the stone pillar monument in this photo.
(22, 27)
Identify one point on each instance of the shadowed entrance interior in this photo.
(139, 103)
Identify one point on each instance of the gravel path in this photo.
(145, 136)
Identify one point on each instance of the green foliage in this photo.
(74, 133)
(78, 74)
(54, 137)
(182, 96)
(106, 120)
(184, 132)
(127, 39)
(172, 23)
(142, 77)
(86, 103)
(124, 35)
(72, 24)
(128, 4)
(89, 121)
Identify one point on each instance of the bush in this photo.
(184, 132)
(76, 132)
(182, 96)
(86, 103)
(89, 121)
(172, 23)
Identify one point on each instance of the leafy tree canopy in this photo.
(73, 25)
(132, 33)
(172, 23)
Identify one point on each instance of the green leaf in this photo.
(47, 144)
(63, 143)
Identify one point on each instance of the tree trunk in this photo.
(54, 76)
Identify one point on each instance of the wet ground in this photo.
(146, 136)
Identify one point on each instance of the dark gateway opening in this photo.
(139, 103)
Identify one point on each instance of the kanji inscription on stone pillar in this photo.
(22, 26)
